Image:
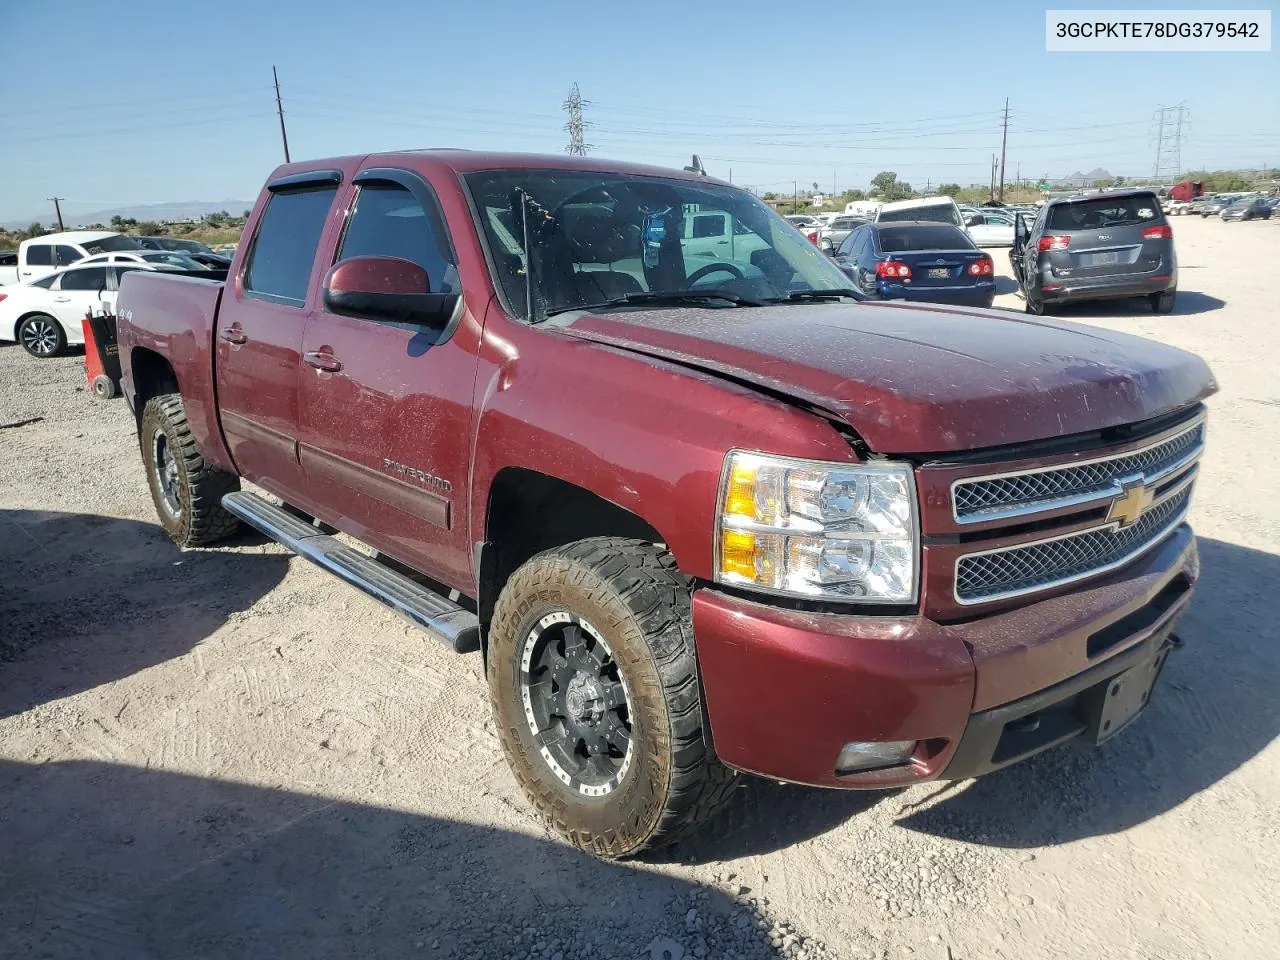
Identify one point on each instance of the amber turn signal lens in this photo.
(738, 553)
(740, 497)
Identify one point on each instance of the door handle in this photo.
(61, 299)
(322, 361)
(233, 334)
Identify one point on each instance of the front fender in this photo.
(644, 434)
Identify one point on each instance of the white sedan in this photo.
(990, 229)
(45, 315)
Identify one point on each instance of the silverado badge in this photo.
(1130, 505)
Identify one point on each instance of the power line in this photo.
(576, 126)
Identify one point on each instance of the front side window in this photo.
(284, 246)
(390, 222)
(63, 255)
(90, 278)
(566, 239)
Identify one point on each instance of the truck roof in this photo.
(474, 161)
(74, 236)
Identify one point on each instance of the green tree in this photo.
(852, 196)
(770, 196)
(149, 228)
(218, 219)
(949, 189)
(887, 186)
(117, 222)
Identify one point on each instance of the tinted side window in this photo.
(848, 244)
(708, 227)
(90, 278)
(389, 222)
(64, 254)
(284, 246)
(40, 255)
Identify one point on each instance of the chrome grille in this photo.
(1016, 494)
(1035, 566)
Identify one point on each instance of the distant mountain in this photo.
(74, 216)
(1078, 179)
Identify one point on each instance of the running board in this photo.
(444, 619)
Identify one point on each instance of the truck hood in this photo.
(915, 379)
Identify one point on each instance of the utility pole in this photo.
(576, 127)
(284, 138)
(795, 201)
(1004, 142)
(993, 176)
(58, 210)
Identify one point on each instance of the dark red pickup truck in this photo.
(703, 510)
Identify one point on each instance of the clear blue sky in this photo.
(114, 103)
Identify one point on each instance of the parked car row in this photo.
(40, 256)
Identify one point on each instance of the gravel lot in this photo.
(226, 753)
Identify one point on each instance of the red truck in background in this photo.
(702, 509)
(1187, 190)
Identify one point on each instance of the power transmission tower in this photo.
(58, 210)
(1004, 142)
(1168, 122)
(280, 110)
(576, 127)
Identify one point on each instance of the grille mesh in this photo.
(1044, 564)
(976, 497)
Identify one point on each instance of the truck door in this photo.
(259, 330)
(385, 411)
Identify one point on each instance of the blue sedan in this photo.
(918, 260)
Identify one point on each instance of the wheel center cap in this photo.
(585, 699)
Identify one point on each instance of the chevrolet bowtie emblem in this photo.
(1132, 504)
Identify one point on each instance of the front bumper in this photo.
(787, 689)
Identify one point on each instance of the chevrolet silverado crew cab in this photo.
(702, 509)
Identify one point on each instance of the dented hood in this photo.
(918, 378)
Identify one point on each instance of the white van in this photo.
(931, 209)
(862, 208)
(43, 255)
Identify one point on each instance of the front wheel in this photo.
(187, 491)
(42, 336)
(595, 692)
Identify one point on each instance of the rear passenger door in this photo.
(260, 322)
(386, 407)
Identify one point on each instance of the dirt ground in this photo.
(226, 753)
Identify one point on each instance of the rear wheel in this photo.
(187, 491)
(1163, 302)
(1034, 306)
(595, 692)
(42, 336)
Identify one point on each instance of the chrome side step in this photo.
(444, 619)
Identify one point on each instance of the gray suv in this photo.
(1093, 248)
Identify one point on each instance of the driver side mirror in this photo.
(386, 289)
(973, 221)
(1019, 231)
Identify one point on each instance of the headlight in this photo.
(828, 531)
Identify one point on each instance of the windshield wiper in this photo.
(799, 296)
(662, 296)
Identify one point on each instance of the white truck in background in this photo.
(42, 256)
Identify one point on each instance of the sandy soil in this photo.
(226, 753)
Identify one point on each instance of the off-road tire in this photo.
(1163, 302)
(200, 518)
(632, 593)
